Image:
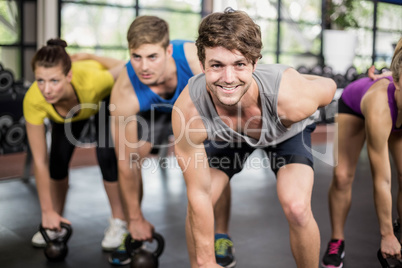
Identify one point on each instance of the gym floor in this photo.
(258, 226)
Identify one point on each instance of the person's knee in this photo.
(343, 179)
(58, 173)
(298, 212)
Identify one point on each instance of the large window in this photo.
(388, 32)
(100, 26)
(17, 37)
(292, 30)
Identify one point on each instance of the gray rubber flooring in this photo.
(258, 226)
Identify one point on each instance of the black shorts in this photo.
(231, 157)
(63, 144)
(154, 127)
(343, 108)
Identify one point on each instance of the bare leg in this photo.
(294, 186)
(349, 142)
(58, 192)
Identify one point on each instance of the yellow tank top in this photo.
(92, 83)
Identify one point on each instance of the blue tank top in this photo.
(147, 98)
(354, 92)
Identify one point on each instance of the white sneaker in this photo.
(114, 234)
(38, 240)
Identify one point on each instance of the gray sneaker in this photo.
(114, 234)
(39, 242)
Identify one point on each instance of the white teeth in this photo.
(228, 88)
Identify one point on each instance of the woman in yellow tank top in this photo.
(69, 93)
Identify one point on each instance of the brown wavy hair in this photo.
(51, 55)
(233, 30)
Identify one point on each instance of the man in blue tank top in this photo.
(233, 108)
(141, 106)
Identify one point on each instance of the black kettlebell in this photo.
(56, 249)
(142, 258)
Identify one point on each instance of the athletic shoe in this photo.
(114, 234)
(39, 242)
(334, 255)
(224, 251)
(120, 256)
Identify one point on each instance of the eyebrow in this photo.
(57, 77)
(150, 55)
(214, 61)
(219, 62)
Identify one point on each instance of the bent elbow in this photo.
(329, 94)
(332, 87)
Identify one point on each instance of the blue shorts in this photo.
(231, 157)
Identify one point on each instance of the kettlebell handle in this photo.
(384, 262)
(62, 225)
(133, 245)
(161, 244)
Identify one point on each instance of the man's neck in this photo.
(166, 85)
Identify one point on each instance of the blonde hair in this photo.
(396, 64)
(148, 30)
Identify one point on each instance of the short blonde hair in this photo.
(148, 30)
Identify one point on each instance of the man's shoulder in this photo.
(123, 83)
(271, 73)
(186, 115)
(274, 67)
(180, 41)
(185, 103)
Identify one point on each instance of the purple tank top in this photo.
(354, 92)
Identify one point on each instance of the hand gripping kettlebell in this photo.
(142, 258)
(389, 262)
(56, 249)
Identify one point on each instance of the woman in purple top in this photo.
(369, 110)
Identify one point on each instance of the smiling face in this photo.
(52, 82)
(228, 74)
(150, 63)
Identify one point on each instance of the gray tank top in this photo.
(268, 78)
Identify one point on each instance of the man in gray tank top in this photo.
(234, 107)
